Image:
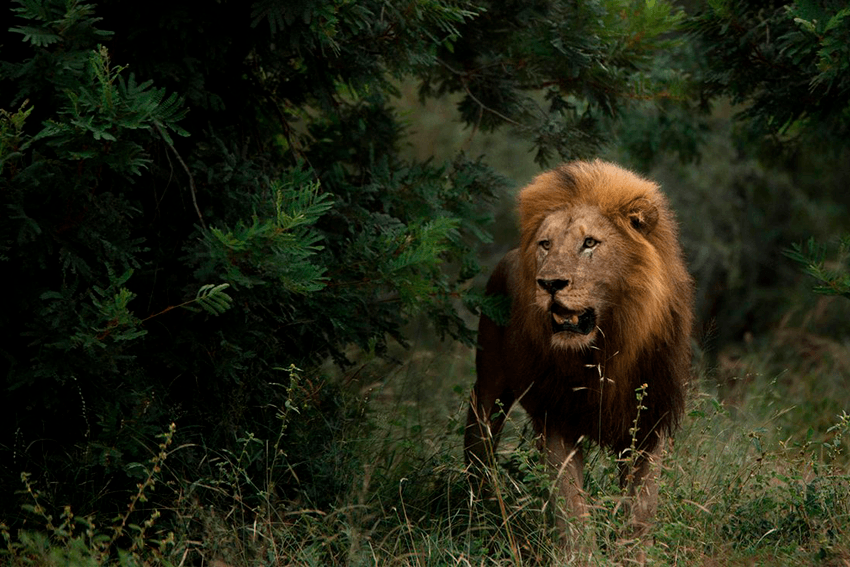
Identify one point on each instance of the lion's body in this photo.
(601, 306)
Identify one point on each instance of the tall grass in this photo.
(741, 485)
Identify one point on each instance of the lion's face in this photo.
(580, 266)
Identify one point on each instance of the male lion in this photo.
(601, 307)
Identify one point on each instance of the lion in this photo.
(597, 346)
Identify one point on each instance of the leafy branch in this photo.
(212, 298)
(279, 244)
(812, 257)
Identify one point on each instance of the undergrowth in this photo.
(80, 541)
(738, 487)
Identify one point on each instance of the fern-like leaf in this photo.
(213, 299)
(39, 37)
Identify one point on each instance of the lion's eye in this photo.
(545, 244)
(590, 242)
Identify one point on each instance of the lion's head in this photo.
(596, 256)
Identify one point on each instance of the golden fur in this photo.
(601, 306)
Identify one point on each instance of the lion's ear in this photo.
(642, 215)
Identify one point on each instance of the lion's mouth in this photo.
(567, 320)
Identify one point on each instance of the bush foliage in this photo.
(787, 63)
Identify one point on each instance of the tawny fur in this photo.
(575, 386)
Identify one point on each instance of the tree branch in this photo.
(188, 173)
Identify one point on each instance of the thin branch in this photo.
(463, 80)
(488, 109)
(166, 310)
(468, 142)
(188, 173)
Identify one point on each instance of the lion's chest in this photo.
(577, 401)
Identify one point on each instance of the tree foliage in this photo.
(556, 72)
(786, 63)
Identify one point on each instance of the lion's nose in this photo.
(552, 286)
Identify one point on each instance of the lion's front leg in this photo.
(491, 396)
(484, 421)
(566, 463)
(641, 481)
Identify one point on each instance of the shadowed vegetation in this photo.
(243, 253)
